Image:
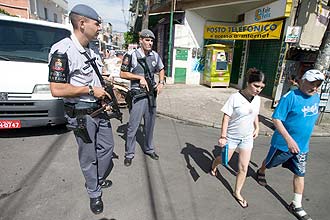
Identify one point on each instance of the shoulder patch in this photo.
(58, 65)
(125, 66)
(126, 60)
(58, 68)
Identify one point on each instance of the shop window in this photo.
(55, 17)
(46, 13)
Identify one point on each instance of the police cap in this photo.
(146, 33)
(86, 11)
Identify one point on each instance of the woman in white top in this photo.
(240, 125)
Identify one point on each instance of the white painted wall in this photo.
(188, 35)
(196, 25)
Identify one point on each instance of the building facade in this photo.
(48, 10)
(20, 8)
(272, 51)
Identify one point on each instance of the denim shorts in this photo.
(241, 143)
(296, 163)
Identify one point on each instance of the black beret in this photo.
(86, 11)
(146, 33)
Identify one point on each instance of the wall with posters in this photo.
(184, 56)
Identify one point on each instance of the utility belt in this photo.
(82, 108)
(138, 93)
(134, 95)
(79, 111)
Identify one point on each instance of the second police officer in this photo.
(140, 66)
(73, 75)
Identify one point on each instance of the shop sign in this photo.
(181, 54)
(274, 10)
(256, 31)
(292, 34)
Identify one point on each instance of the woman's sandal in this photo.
(261, 178)
(242, 202)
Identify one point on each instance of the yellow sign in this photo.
(256, 31)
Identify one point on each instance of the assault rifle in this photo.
(115, 111)
(113, 103)
(152, 92)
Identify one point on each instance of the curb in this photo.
(266, 132)
(190, 121)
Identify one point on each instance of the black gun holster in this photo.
(81, 129)
(134, 95)
(129, 99)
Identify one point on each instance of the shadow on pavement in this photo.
(122, 129)
(35, 131)
(202, 158)
(271, 190)
(267, 122)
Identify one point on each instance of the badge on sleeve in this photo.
(58, 68)
(58, 65)
(125, 66)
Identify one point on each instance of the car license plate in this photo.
(8, 124)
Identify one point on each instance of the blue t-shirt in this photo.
(298, 113)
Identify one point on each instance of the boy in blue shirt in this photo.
(297, 109)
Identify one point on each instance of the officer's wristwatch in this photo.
(162, 82)
(90, 90)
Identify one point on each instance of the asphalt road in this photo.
(40, 179)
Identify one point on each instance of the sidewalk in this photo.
(198, 104)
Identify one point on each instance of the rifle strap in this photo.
(144, 65)
(96, 69)
(110, 91)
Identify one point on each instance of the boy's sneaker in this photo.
(299, 212)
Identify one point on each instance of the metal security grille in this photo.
(238, 48)
(264, 54)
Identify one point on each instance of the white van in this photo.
(25, 98)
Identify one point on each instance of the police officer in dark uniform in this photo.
(140, 66)
(73, 77)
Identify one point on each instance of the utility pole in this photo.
(136, 14)
(123, 10)
(323, 60)
(169, 56)
(145, 14)
(323, 63)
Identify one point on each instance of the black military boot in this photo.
(96, 205)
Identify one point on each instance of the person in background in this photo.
(74, 74)
(240, 125)
(293, 82)
(138, 66)
(112, 64)
(294, 119)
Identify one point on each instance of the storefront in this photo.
(302, 39)
(267, 53)
(261, 49)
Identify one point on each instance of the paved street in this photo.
(41, 179)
